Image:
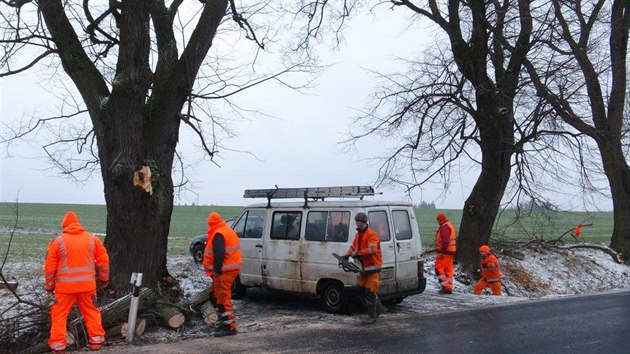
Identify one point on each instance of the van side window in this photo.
(286, 225)
(316, 226)
(338, 226)
(250, 225)
(402, 226)
(378, 222)
(330, 226)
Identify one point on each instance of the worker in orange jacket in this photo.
(70, 268)
(222, 261)
(490, 272)
(446, 246)
(366, 247)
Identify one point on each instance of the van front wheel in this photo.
(333, 297)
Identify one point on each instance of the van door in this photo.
(281, 264)
(249, 229)
(379, 222)
(406, 249)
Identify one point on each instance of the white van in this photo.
(288, 246)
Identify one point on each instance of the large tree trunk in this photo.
(494, 117)
(137, 228)
(618, 174)
(482, 205)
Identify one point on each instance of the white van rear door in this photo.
(379, 222)
(407, 247)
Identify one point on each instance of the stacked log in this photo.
(195, 300)
(208, 313)
(120, 330)
(200, 303)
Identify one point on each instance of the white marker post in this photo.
(136, 280)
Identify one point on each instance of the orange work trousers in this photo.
(221, 290)
(59, 315)
(371, 282)
(495, 287)
(444, 270)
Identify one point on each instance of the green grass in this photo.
(43, 221)
(535, 225)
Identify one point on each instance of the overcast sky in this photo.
(296, 146)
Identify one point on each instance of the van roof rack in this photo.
(315, 193)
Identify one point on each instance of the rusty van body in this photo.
(288, 246)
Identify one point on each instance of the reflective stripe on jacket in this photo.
(232, 259)
(72, 258)
(446, 239)
(491, 268)
(368, 246)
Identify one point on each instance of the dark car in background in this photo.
(198, 243)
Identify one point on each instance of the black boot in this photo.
(370, 301)
(380, 308)
(223, 328)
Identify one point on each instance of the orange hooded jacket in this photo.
(229, 257)
(71, 259)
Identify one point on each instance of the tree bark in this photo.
(482, 205)
(618, 174)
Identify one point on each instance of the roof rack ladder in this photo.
(315, 193)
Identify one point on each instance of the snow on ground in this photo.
(540, 273)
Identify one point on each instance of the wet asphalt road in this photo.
(580, 324)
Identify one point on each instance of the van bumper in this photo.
(354, 292)
(422, 284)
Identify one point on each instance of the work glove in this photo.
(355, 254)
(217, 270)
(102, 284)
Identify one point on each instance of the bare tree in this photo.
(465, 97)
(140, 68)
(580, 68)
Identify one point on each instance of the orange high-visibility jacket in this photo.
(368, 246)
(71, 259)
(491, 268)
(446, 239)
(232, 259)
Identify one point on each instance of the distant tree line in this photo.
(425, 205)
(537, 205)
